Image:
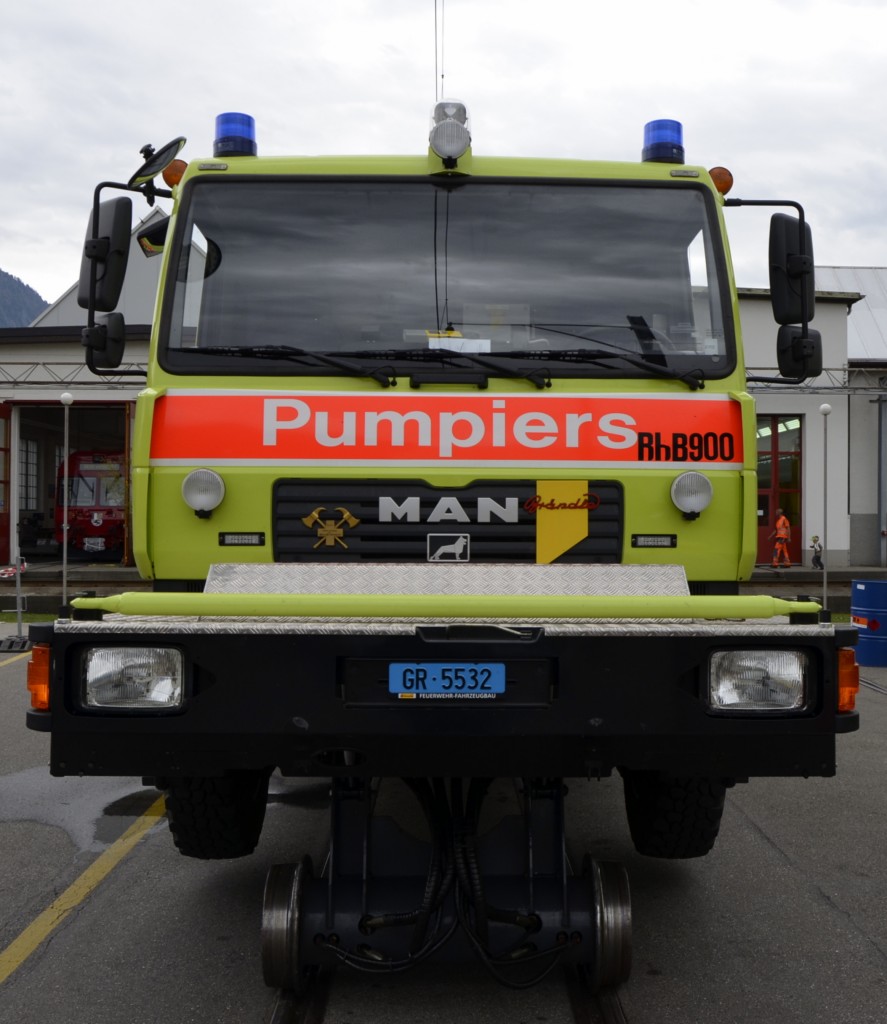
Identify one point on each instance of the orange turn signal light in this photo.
(38, 677)
(848, 679)
(173, 173)
(722, 179)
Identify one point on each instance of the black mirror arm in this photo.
(753, 379)
(96, 248)
(94, 336)
(100, 371)
(799, 263)
(150, 191)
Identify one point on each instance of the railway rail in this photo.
(310, 1005)
(871, 685)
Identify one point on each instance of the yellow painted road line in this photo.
(16, 657)
(42, 927)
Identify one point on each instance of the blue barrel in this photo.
(868, 612)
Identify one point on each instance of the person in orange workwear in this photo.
(783, 534)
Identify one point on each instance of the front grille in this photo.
(411, 521)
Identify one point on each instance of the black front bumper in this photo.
(317, 703)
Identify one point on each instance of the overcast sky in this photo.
(789, 94)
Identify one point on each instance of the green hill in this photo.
(19, 303)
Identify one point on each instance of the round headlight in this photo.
(203, 490)
(691, 493)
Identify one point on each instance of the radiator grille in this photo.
(409, 520)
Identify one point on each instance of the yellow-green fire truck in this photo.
(443, 472)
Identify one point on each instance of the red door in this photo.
(5, 416)
(779, 482)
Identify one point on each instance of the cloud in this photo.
(787, 93)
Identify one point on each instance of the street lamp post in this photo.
(66, 398)
(825, 409)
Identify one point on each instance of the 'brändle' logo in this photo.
(586, 501)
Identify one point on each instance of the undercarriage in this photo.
(457, 882)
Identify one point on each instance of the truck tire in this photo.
(220, 818)
(671, 816)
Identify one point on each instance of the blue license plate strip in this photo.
(446, 679)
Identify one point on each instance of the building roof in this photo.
(867, 326)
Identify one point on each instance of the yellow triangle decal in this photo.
(559, 527)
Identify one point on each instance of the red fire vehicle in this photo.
(96, 504)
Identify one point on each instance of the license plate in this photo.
(469, 680)
(93, 543)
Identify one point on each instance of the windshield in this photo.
(90, 491)
(270, 271)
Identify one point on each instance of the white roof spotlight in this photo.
(450, 137)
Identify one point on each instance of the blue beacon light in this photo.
(663, 142)
(235, 135)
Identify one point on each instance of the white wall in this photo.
(831, 519)
(836, 529)
(759, 331)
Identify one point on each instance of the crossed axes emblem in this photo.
(330, 531)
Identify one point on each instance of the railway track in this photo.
(306, 1007)
(871, 685)
(310, 1006)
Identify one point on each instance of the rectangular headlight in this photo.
(758, 680)
(133, 678)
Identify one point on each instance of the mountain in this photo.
(19, 303)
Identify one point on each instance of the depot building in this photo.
(822, 455)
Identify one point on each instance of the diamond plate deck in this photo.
(398, 579)
(468, 580)
(753, 630)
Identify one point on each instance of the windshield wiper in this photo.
(694, 379)
(652, 360)
(493, 366)
(384, 375)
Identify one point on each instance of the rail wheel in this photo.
(281, 918)
(611, 900)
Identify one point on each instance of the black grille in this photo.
(339, 521)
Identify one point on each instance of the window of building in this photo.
(28, 466)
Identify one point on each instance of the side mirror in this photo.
(798, 352)
(156, 161)
(105, 254)
(105, 342)
(152, 239)
(792, 287)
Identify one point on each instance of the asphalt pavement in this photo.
(786, 920)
